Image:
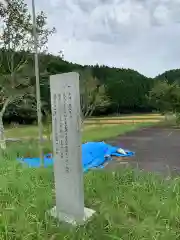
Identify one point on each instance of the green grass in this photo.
(24, 131)
(104, 132)
(99, 131)
(29, 148)
(129, 205)
(32, 131)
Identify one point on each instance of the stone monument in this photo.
(66, 131)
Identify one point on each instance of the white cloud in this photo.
(140, 34)
(3, 2)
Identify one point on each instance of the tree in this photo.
(17, 37)
(166, 97)
(17, 27)
(92, 94)
(13, 93)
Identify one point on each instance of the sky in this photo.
(140, 34)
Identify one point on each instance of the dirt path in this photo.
(157, 150)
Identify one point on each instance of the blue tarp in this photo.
(94, 155)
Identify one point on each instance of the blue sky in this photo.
(139, 34)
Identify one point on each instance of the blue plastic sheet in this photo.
(94, 155)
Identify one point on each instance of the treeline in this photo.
(104, 90)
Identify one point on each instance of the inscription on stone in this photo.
(61, 136)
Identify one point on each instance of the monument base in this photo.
(62, 217)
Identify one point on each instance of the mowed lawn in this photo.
(129, 204)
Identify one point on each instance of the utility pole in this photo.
(38, 94)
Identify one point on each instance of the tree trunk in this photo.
(2, 136)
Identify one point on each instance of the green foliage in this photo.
(93, 94)
(15, 90)
(166, 96)
(170, 76)
(178, 119)
(17, 28)
(126, 88)
(17, 83)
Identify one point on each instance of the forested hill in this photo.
(126, 88)
(121, 90)
(171, 76)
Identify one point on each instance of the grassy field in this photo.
(29, 148)
(90, 133)
(131, 117)
(124, 119)
(102, 132)
(129, 204)
(92, 125)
